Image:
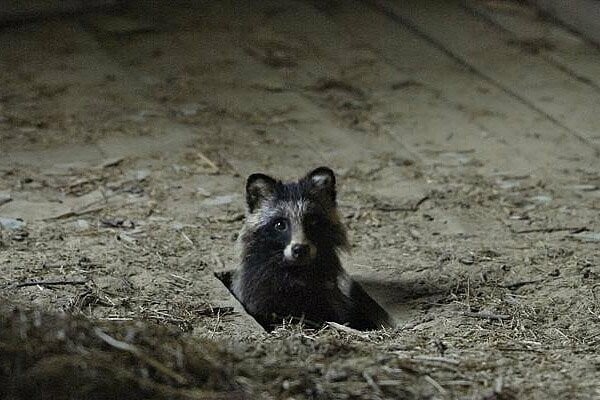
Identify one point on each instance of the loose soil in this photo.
(125, 140)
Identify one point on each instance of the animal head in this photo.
(292, 222)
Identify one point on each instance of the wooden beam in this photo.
(581, 15)
(565, 49)
(14, 10)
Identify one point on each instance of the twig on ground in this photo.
(486, 315)
(372, 383)
(51, 283)
(562, 334)
(410, 207)
(517, 285)
(112, 162)
(437, 359)
(346, 329)
(438, 362)
(435, 384)
(77, 213)
(181, 278)
(212, 334)
(214, 311)
(575, 229)
(208, 161)
(138, 353)
(458, 382)
(116, 319)
(187, 238)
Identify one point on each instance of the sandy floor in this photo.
(466, 140)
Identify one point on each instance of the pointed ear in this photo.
(258, 188)
(322, 182)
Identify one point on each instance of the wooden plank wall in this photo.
(548, 91)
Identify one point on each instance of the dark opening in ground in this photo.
(226, 278)
(368, 314)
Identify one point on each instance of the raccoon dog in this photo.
(290, 268)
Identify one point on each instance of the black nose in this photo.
(300, 251)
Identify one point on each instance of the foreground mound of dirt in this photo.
(60, 357)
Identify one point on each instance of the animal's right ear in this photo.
(322, 181)
(258, 188)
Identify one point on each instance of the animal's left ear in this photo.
(322, 183)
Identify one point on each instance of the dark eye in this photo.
(281, 225)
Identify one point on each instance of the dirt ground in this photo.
(466, 139)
